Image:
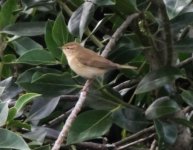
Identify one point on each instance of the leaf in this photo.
(11, 89)
(50, 43)
(25, 29)
(181, 21)
(161, 107)
(45, 147)
(33, 3)
(89, 125)
(3, 113)
(24, 44)
(11, 140)
(12, 113)
(6, 13)
(42, 107)
(46, 81)
(157, 79)
(34, 57)
(174, 7)
(81, 18)
(167, 132)
(103, 99)
(130, 119)
(187, 96)
(24, 99)
(126, 6)
(60, 32)
(102, 2)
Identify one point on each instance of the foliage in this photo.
(37, 87)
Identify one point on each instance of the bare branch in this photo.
(135, 136)
(185, 62)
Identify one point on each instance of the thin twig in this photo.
(125, 84)
(185, 62)
(134, 136)
(153, 145)
(118, 33)
(136, 142)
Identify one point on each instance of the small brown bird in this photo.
(87, 63)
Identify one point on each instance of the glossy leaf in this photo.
(130, 119)
(11, 89)
(161, 107)
(187, 96)
(181, 21)
(104, 99)
(126, 6)
(46, 81)
(42, 107)
(50, 43)
(11, 140)
(81, 18)
(32, 3)
(174, 7)
(60, 32)
(157, 79)
(89, 125)
(102, 2)
(24, 44)
(24, 99)
(3, 113)
(25, 29)
(12, 114)
(167, 132)
(6, 13)
(37, 57)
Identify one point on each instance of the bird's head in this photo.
(71, 47)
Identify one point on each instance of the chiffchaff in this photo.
(87, 63)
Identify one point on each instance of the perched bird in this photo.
(87, 63)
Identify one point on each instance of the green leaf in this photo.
(157, 79)
(12, 114)
(11, 140)
(37, 57)
(81, 18)
(3, 113)
(25, 29)
(103, 3)
(24, 44)
(89, 125)
(126, 6)
(6, 13)
(33, 3)
(46, 81)
(161, 107)
(24, 99)
(45, 147)
(187, 96)
(130, 119)
(43, 107)
(181, 21)
(50, 43)
(60, 32)
(174, 7)
(18, 124)
(103, 98)
(167, 132)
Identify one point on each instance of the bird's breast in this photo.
(85, 70)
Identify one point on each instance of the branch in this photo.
(136, 142)
(134, 136)
(125, 84)
(167, 32)
(185, 62)
(118, 33)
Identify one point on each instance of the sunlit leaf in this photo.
(3, 113)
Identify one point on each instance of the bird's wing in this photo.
(94, 60)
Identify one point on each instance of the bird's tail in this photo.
(126, 67)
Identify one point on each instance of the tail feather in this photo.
(126, 67)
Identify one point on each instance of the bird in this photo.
(88, 64)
